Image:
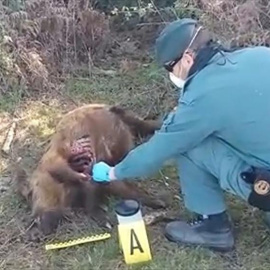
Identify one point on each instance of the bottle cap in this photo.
(127, 208)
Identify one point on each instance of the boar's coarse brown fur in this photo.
(61, 180)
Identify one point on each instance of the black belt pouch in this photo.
(260, 181)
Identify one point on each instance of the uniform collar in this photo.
(212, 60)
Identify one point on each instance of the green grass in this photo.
(141, 90)
(10, 100)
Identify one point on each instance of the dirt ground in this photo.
(128, 77)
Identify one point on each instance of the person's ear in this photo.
(188, 58)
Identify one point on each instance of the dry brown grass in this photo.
(47, 38)
(235, 22)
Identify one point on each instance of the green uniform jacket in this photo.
(229, 100)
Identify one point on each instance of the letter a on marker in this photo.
(134, 242)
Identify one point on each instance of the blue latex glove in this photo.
(100, 172)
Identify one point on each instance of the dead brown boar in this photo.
(62, 179)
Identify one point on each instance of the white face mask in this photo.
(177, 81)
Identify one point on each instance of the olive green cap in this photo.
(174, 40)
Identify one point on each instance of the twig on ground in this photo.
(9, 139)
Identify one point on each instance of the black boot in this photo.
(214, 231)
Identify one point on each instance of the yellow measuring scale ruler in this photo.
(74, 242)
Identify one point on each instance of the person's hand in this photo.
(101, 172)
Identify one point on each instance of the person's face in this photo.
(182, 67)
(179, 68)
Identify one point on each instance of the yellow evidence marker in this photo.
(74, 242)
(133, 238)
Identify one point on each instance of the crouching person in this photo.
(218, 135)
